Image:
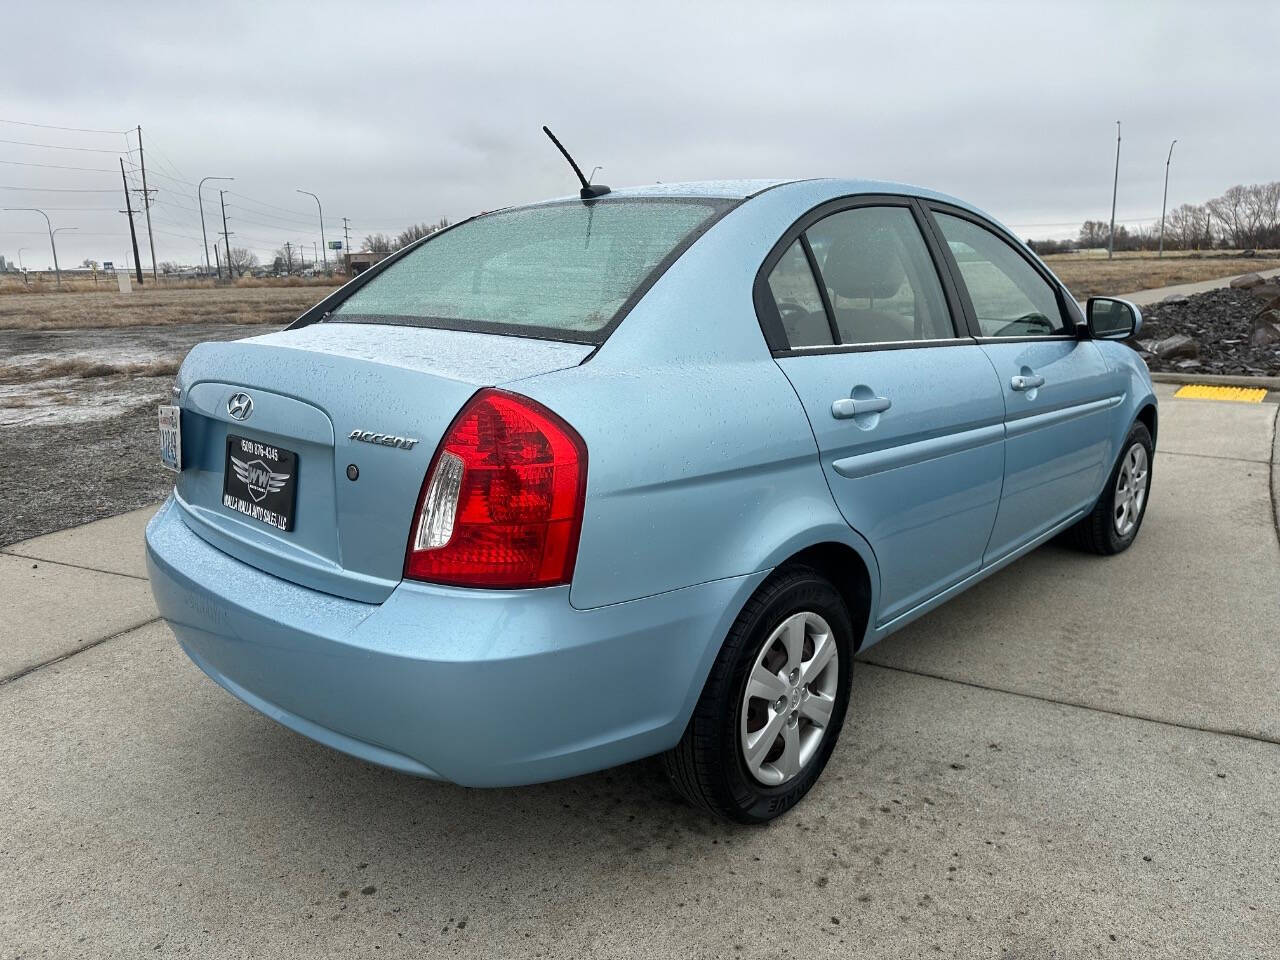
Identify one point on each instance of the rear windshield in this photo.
(562, 271)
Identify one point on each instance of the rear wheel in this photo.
(772, 708)
(1118, 514)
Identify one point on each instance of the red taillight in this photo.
(501, 505)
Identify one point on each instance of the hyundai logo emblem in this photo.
(240, 406)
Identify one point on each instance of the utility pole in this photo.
(346, 238)
(1111, 240)
(204, 236)
(133, 234)
(226, 237)
(321, 209)
(146, 203)
(1165, 202)
(52, 245)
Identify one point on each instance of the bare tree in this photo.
(417, 232)
(1188, 227)
(377, 243)
(1263, 201)
(1093, 233)
(242, 260)
(286, 259)
(1232, 213)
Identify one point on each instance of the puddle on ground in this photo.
(55, 376)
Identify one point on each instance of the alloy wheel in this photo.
(1131, 490)
(789, 698)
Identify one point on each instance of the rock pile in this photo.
(1235, 330)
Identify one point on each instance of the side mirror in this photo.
(1112, 319)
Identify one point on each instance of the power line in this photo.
(305, 217)
(56, 166)
(58, 146)
(54, 189)
(43, 233)
(1076, 223)
(48, 126)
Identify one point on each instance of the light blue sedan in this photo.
(571, 484)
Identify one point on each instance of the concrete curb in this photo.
(1218, 380)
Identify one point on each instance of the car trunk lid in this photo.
(339, 396)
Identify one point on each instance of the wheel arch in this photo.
(848, 573)
(1149, 418)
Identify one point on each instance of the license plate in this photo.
(170, 438)
(259, 481)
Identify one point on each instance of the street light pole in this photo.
(1111, 240)
(324, 252)
(1165, 202)
(53, 246)
(56, 231)
(204, 236)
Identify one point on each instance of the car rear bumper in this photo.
(482, 688)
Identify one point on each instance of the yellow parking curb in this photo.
(1198, 391)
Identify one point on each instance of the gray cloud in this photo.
(395, 113)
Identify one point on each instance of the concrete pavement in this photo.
(1156, 294)
(1077, 758)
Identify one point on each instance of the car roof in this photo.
(828, 187)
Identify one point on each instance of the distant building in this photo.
(362, 261)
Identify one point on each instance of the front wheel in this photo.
(772, 708)
(1114, 522)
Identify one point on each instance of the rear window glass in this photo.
(562, 270)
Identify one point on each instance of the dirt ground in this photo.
(109, 308)
(1089, 275)
(66, 474)
(78, 434)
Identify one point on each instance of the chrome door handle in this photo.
(1026, 383)
(846, 407)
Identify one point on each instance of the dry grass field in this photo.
(108, 308)
(276, 302)
(43, 281)
(1088, 275)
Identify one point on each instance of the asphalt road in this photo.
(1078, 758)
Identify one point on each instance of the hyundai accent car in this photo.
(589, 480)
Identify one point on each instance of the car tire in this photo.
(709, 767)
(1102, 532)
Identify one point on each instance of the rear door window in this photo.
(559, 270)
(804, 318)
(880, 279)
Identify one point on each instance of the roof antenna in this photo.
(589, 191)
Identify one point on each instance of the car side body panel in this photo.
(1057, 443)
(921, 481)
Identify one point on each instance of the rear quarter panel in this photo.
(701, 461)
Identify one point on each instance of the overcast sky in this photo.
(395, 113)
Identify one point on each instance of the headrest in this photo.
(864, 265)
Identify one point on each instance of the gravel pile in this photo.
(1235, 330)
